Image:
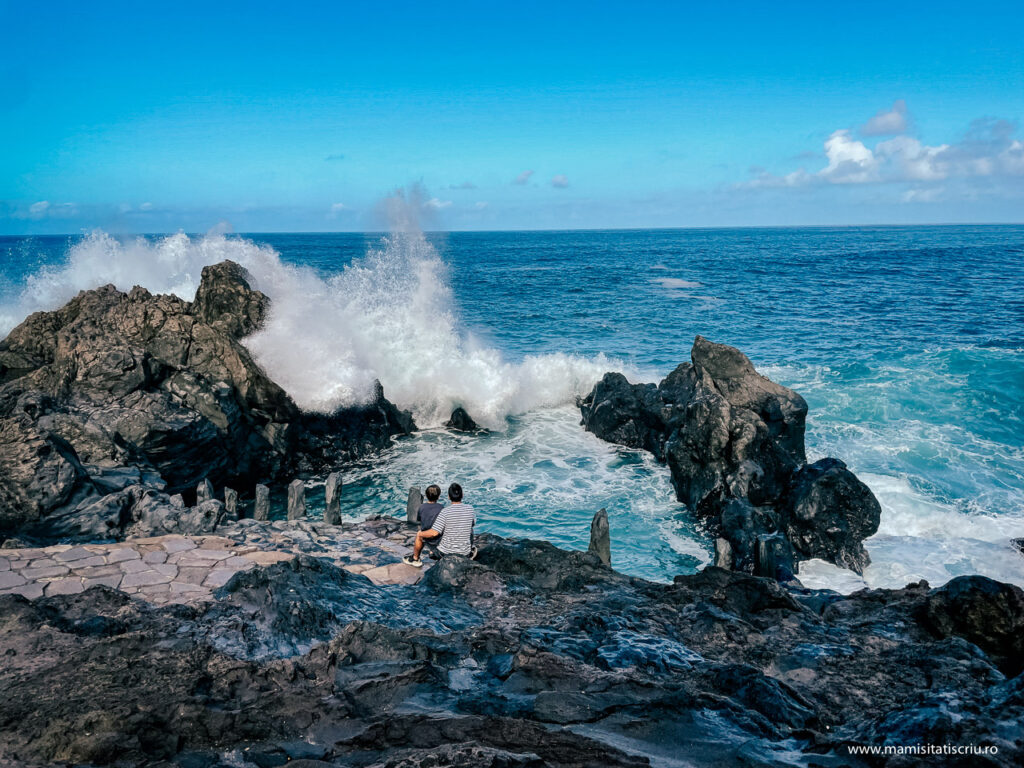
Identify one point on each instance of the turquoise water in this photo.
(908, 344)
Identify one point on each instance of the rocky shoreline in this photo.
(531, 656)
(143, 623)
(116, 401)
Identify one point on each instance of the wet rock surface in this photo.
(118, 383)
(163, 630)
(734, 442)
(529, 656)
(461, 421)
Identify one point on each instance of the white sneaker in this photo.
(408, 560)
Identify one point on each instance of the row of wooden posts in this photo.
(296, 499)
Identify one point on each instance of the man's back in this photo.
(455, 524)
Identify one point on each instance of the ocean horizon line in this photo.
(554, 230)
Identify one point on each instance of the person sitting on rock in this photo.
(427, 514)
(455, 527)
(430, 509)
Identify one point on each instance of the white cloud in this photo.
(522, 178)
(988, 149)
(44, 209)
(849, 161)
(559, 181)
(888, 122)
(909, 159)
(126, 208)
(436, 205)
(922, 195)
(336, 210)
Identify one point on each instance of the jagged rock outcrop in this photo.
(734, 443)
(135, 510)
(530, 656)
(326, 441)
(830, 512)
(39, 472)
(985, 612)
(461, 421)
(161, 385)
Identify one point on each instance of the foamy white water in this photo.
(544, 477)
(874, 420)
(389, 316)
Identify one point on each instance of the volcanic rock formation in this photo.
(129, 390)
(734, 442)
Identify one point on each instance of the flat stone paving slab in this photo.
(71, 585)
(395, 573)
(11, 580)
(187, 569)
(75, 553)
(123, 552)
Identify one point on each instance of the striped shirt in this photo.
(455, 524)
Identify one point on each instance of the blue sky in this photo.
(274, 117)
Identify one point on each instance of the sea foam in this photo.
(389, 316)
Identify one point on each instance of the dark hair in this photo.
(433, 492)
(455, 492)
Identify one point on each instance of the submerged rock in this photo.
(734, 443)
(461, 421)
(163, 387)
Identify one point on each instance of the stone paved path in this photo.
(184, 569)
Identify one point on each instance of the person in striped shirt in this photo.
(455, 527)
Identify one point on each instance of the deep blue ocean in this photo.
(907, 342)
